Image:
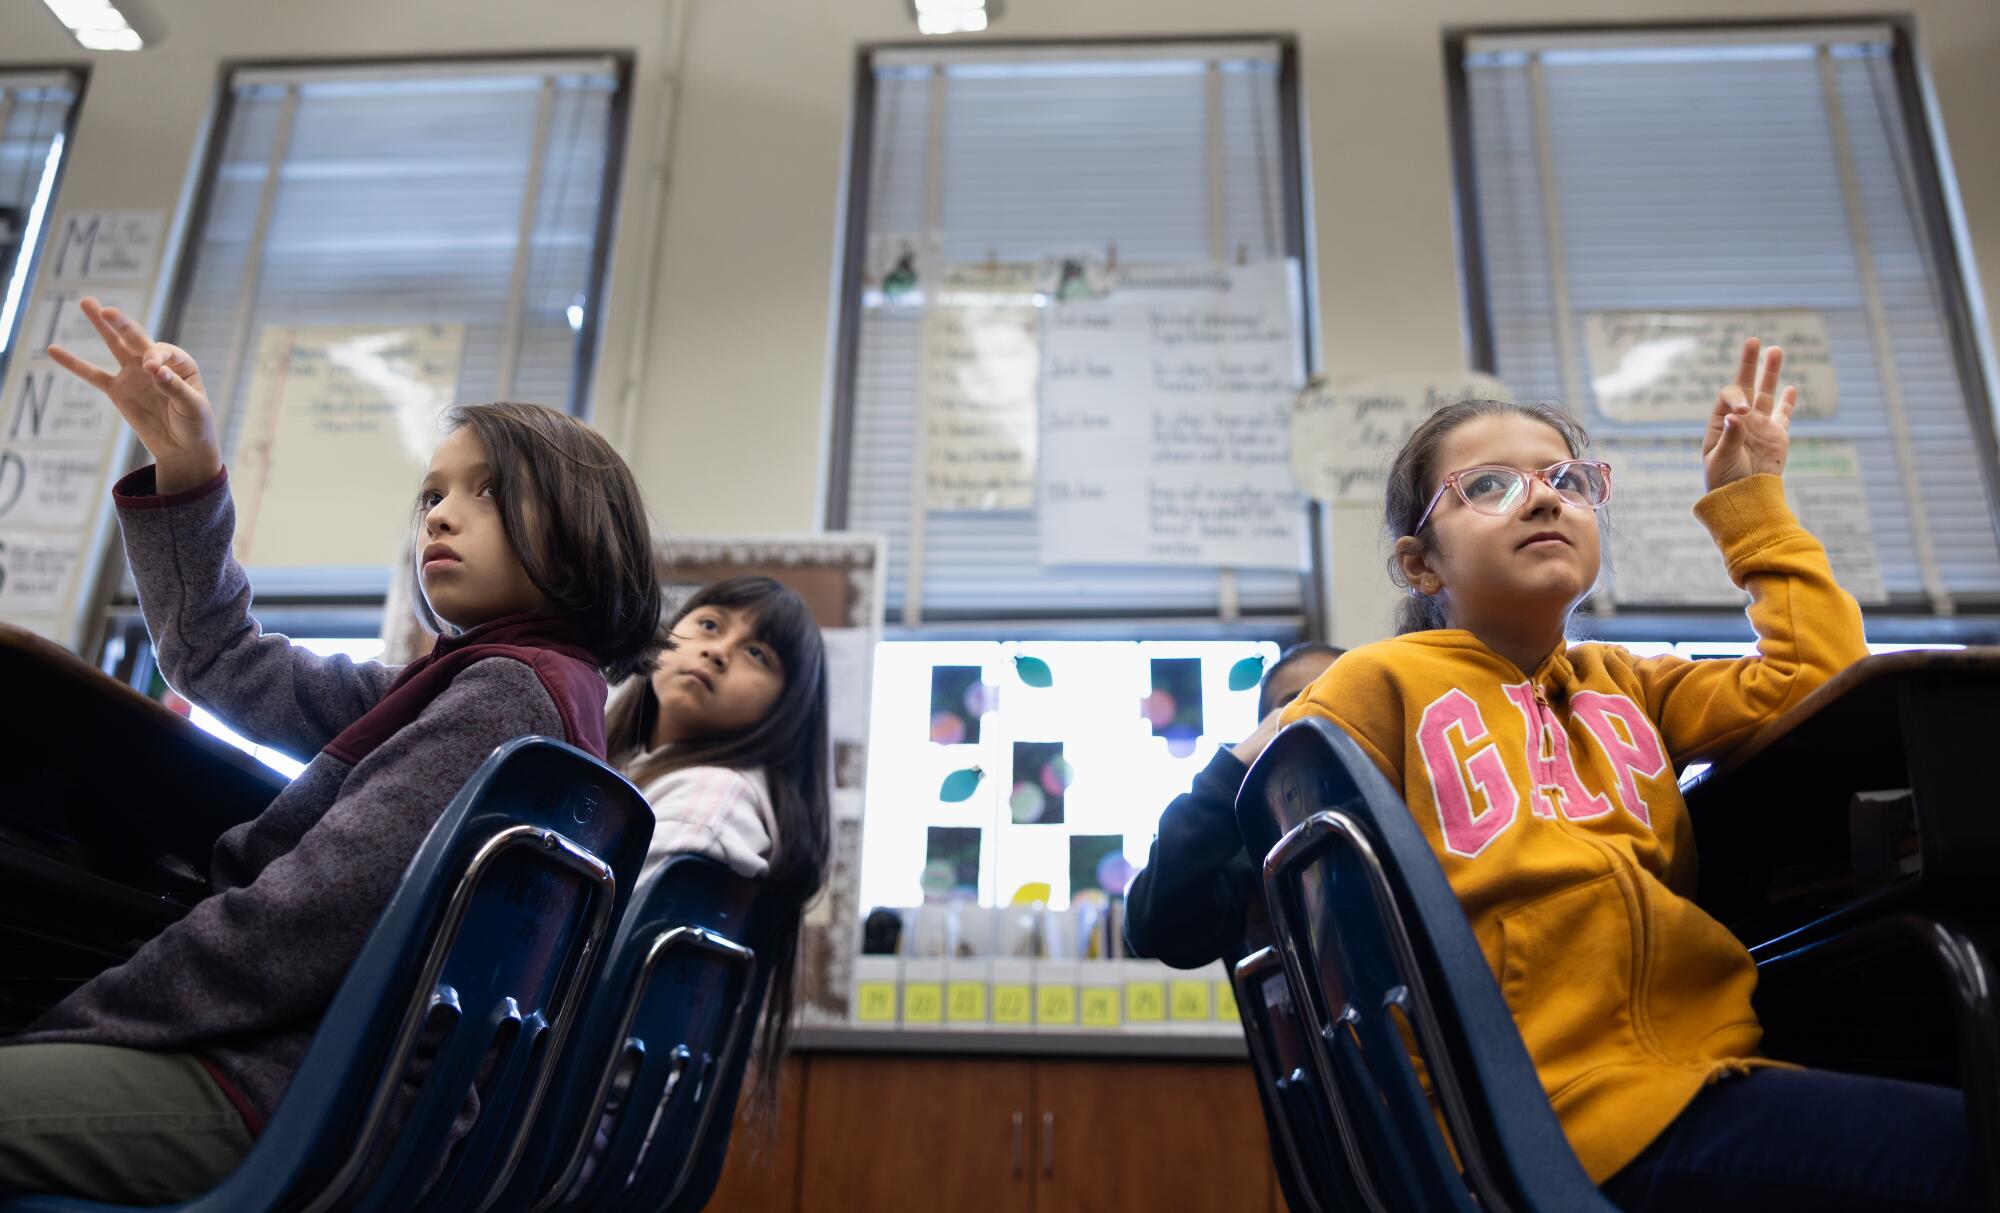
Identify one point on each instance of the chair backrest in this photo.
(1311, 1169)
(470, 978)
(663, 1047)
(1381, 960)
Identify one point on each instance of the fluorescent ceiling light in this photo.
(953, 16)
(968, 22)
(96, 25)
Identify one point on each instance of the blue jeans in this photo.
(1778, 1140)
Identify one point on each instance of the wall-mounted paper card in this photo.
(1345, 433)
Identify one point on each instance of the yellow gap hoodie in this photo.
(1553, 805)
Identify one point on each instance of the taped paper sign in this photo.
(1345, 433)
(980, 364)
(339, 424)
(1668, 366)
(1164, 420)
(1662, 556)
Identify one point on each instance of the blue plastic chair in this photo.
(1370, 934)
(483, 953)
(1310, 1168)
(670, 1025)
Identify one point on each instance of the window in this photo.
(35, 112)
(1743, 169)
(471, 195)
(1162, 154)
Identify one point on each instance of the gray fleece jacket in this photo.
(243, 980)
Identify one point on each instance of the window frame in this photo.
(589, 337)
(1940, 240)
(1310, 622)
(29, 262)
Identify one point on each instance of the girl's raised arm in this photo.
(178, 523)
(1808, 628)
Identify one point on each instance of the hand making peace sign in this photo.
(158, 390)
(1750, 430)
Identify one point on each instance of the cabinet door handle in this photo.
(1018, 1120)
(1048, 1143)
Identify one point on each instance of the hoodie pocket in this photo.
(1566, 973)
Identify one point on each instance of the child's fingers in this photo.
(180, 389)
(1767, 380)
(129, 331)
(1746, 368)
(174, 358)
(90, 373)
(101, 319)
(1787, 401)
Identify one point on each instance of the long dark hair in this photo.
(574, 517)
(789, 745)
(1414, 478)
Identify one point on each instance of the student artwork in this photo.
(1097, 863)
(1041, 777)
(959, 700)
(1174, 707)
(951, 864)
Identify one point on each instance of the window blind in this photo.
(1694, 170)
(469, 193)
(1039, 153)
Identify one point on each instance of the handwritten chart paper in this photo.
(1668, 366)
(339, 426)
(1164, 421)
(980, 363)
(1823, 481)
(1660, 555)
(1345, 433)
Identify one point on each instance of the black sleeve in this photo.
(1186, 907)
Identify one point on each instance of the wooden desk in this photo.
(109, 806)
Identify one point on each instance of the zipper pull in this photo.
(1541, 695)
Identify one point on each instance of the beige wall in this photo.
(734, 386)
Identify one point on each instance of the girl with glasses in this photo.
(1543, 775)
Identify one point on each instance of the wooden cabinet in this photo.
(1125, 1135)
(966, 1135)
(917, 1133)
(762, 1170)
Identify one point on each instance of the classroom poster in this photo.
(1164, 420)
(1823, 483)
(1662, 556)
(1668, 366)
(57, 433)
(339, 423)
(1659, 554)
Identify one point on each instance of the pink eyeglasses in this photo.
(1498, 491)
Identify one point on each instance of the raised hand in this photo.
(1749, 433)
(157, 389)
